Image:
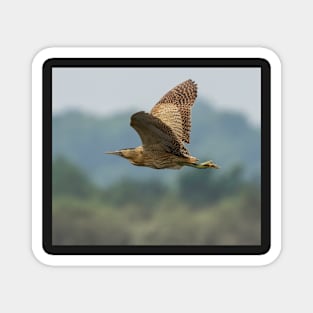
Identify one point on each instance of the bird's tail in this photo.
(192, 160)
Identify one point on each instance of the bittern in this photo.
(163, 131)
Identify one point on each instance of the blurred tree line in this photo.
(201, 207)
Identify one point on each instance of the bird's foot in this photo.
(208, 164)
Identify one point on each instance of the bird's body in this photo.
(154, 158)
(164, 130)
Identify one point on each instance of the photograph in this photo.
(156, 156)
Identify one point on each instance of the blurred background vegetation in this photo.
(100, 199)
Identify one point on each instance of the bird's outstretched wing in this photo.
(174, 109)
(156, 135)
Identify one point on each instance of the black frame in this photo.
(156, 249)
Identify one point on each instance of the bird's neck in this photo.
(134, 155)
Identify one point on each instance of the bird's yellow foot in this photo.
(208, 164)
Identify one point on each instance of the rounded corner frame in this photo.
(271, 254)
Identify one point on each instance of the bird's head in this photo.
(132, 154)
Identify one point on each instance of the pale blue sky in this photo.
(109, 90)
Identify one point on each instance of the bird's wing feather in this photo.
(174, 109)
(156, 135)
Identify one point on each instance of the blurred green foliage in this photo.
(102, 199)
(203, 207)
(69, 180)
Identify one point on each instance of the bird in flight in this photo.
(164, 130)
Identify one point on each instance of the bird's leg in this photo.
(207, 164)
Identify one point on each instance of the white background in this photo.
(28, 26)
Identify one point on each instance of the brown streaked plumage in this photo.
(164, 130)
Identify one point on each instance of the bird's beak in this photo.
(114, 152)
